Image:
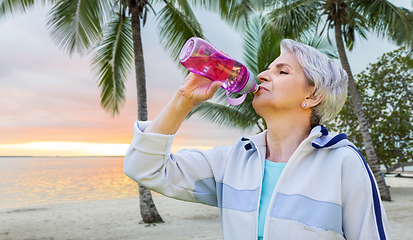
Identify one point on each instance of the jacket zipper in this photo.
(262, 159)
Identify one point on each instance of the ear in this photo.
(311, 101)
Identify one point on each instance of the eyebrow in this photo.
(280, 65)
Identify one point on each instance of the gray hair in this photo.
(328, 79)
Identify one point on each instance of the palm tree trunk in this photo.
(149, 212)
(364, 125)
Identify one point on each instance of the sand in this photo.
(120, 219)
(113, 219)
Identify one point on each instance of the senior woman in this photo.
(293, 181)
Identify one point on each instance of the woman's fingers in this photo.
(213, 89)
(198, 88)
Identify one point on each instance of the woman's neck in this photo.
(284, 135)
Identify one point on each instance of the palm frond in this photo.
(236, 13)
(400, 36)
(187, 9)
(269, 48)
(175, 28)
(355, 23)
(261, 44)
(113, 61)
(319, 42)
(292, 19)
(225, 115)
(142, 7)
(76, 25)
(17, 6)
(220, 112)
(11, 6)
(252, 42)
(388, 20)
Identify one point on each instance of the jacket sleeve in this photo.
(188, 175)
(363, 212)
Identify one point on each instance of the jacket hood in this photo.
(328, 141)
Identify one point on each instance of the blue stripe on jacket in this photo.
(376, 200)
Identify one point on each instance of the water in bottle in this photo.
(200, 57)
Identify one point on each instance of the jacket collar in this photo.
(259, 139)
(319, 137)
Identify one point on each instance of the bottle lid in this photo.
(250, 85)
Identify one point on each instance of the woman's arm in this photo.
(195, 90)
(149, 160)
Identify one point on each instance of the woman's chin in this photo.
(258, 104)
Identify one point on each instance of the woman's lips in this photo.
(262, 88)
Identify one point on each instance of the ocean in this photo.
(26, 181)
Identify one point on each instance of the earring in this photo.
(304, 105)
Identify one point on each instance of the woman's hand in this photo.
(197, 89)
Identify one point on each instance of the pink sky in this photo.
(47, 96)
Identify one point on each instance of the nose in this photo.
(262, 77)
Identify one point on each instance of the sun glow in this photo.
(63, 149)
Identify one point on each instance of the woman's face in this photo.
(283, 86)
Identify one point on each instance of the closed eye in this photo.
(282, 72)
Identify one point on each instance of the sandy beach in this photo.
(120, 219)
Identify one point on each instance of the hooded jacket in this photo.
(326, 190)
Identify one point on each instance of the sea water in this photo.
(26, 181)
(34, 180)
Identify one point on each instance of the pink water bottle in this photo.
(200, 57)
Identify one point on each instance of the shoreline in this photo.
(120, 219)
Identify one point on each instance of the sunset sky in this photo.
(50, 102)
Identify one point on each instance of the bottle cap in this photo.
(251, 84)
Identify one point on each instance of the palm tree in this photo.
(112, 29)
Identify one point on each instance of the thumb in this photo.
(214, 88)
